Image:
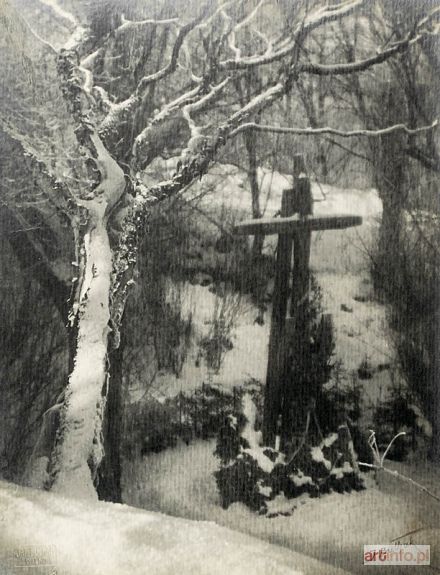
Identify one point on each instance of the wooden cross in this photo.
(295, 226)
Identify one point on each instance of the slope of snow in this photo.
(339, 259)
(76, 538)
(332, 529)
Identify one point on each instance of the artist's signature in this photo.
(410, 538)
(407, 538)
(30, 559)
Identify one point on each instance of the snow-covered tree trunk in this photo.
(79, 447)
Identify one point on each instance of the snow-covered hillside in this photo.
(339, 259)
(46, 533)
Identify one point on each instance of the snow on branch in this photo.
(118, 111)
(427, 20)
(269, 43)
(315, 19)
(188, 64)
(218, 11)
(130, 24)
(198, 105)
(334, 131)
(176, 104)
(231, 36)
(105, 99)
(329, 13)
(53, 4)
(172, 64)
(84, 67)
(359, 66)
(141, 141)
(235, 28)
(250, 16)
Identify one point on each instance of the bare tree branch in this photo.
(130, 24)
(351, 67)
(379, 461)
(359, 66)
(198, 105)
(427, 161)
(317, 18)
(333, 131)
(118, 111)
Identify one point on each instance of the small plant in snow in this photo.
(379, 460)
(218, 342)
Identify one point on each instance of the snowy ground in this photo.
(332, 529)
(43, 533)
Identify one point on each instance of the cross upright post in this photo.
(299, 335)
(277, 338)
(295, 225)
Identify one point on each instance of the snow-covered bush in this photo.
(245, 470)
(317, 454)
(256, 475)
(340, 402)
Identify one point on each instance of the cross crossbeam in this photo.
(296, 223)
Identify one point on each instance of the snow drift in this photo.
(73, 537)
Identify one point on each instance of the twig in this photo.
(395, 473)
(389, 446)
(303, 438)
(379, 465)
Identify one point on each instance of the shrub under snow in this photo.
(258, 476)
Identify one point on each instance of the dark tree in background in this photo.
(405, 169)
